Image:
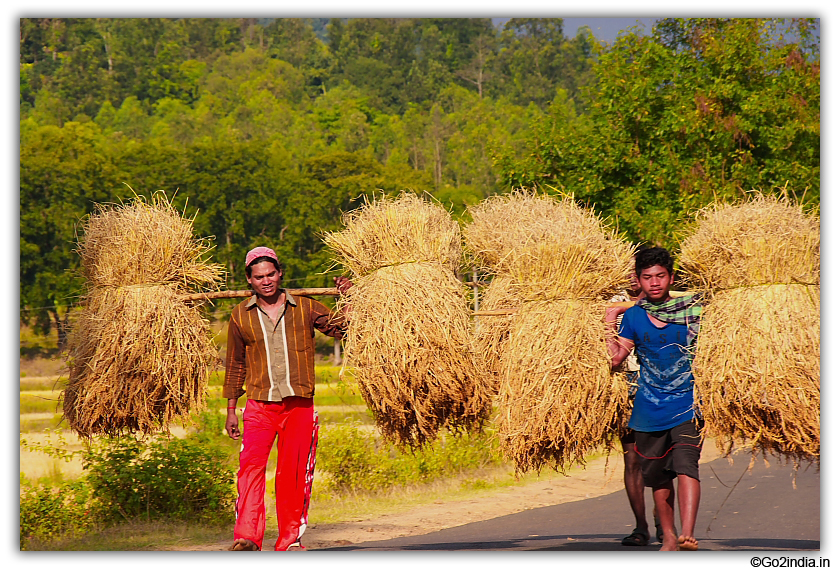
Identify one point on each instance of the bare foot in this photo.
(244, 544)
(669, 540)
(296, 547)
(687, 543)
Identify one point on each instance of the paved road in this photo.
(739, 510)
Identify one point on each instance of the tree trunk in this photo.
(61, 327)
(337, 352)
(229, 240)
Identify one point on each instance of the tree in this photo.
(228, 183)
(63, 172)
(343, 118)
(293, 40)
(267, 128)
(700, 110)
(527, 59)
(331, 184)
(477, 70)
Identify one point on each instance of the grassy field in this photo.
(337, 401)
(40, 415)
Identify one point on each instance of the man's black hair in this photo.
(263, 258)
(654, 256)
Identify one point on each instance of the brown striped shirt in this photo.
(253, 341)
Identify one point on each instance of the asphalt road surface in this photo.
(739, 510)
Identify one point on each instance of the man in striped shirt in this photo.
(271, 350)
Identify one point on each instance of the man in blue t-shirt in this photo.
(668, 441)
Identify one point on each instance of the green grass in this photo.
(40, 396)
(327, 374)
(43, 383)
(41, 424)
(324, 374)
(39, 402)
(328, 508)
(140, 535)
(217, 378)
(364, 417)
(337, 401)
(34, 345)
(331, 507)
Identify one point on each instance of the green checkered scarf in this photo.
(684, 310)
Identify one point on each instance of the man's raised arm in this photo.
(617, 346)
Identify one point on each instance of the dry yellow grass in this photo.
(757, 364)
(558, 263)
(138, 357)
(492, 333)
(408, 341)
(558, 400)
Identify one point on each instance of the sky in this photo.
(604, 28)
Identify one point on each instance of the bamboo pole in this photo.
(333, 292)
(307, 292)
(310, 292)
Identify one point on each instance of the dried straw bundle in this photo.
(408, 341)
(390, 231)
(757, 363)
(504, 225)
(138, 356)
(491, 333)
(557, 397)
(550, 246)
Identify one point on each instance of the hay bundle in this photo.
(503, 226)
(558, 400)
(757, 362)
(557, 397)
(408, 342)
(138, 356)
(491, 334)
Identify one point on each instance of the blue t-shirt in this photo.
(665, 397)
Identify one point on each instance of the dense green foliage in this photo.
(265, 129)
(125, 479)
(48, 512)
(357, 460)
(268, 129)
(178, 478)
(193, 479)
(701, 110)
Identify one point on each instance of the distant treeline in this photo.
(269, 129)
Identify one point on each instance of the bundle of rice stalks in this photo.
(393, 231)
(536, 239)
(557, 397)
(558, 400)
(408, 341)
(757, 362)
(138, 356)
(491, 334)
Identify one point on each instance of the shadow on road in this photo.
(740, 509)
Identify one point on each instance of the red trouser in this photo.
(294, 422)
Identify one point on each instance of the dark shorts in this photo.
(628, 437)
(665, 454)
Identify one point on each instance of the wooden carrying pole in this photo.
(333, 292)
(311, 292)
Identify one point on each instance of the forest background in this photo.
(266, 130)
